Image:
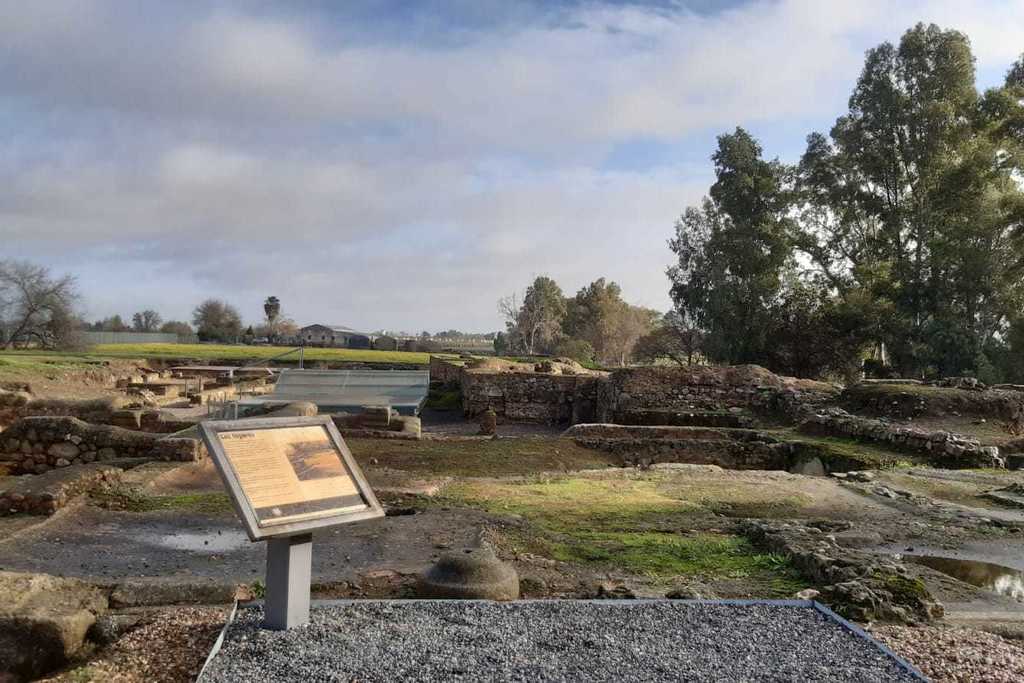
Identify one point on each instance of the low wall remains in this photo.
(47, 493)
(445, 371)
(101, 410)
(943, 449)
(531, 396)
(647, 445)
(33, 445)
(917, 400)
(703, 388)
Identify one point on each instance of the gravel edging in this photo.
(565, 640)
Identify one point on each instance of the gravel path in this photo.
(956, 655)
(551, 641)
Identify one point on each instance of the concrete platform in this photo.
(556, 640)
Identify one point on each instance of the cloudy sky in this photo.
(402, 165)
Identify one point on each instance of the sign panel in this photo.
(289, 475)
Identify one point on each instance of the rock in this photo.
(613, 590)
(109, 627)
(862, 476)
(470, 575)
(812, 468)
(65, 450)
(488, 422)
(858, 539)
(43, 621)
(692, 591)
(807, 594)
(884, 491)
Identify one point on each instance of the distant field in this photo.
(209, 352)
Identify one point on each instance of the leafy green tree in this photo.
(534, 326)
(912, 201)
(577, 349)
(733, 251)
(612, 327)
(217, 320)
(501, 344)
(674, 337)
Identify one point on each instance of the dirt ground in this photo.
(67, 377)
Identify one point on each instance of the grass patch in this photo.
(636, 523)
(874, 456)
(242, 352)
(713, 556)
(38, 362)
(133, 500)
(100, 352)
(444, 399)
(478, 458)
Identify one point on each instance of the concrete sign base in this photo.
(289, 571)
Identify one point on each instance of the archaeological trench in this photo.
(892, 501)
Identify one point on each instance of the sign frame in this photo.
(211, 431)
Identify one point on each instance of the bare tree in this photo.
(146, 321)
(35, 307)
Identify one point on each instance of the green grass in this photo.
(669, 554)
(444, 399)
(871, 454)
(636, 524)
(478, 458)
(37, 361)
(242, 352)
(41, 360)
(132, 500)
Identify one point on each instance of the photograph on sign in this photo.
(288, 471)
(291, 474)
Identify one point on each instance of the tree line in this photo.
(897, 238)
(39, 309)
(595, 325)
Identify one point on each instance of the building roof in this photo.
(342, 329)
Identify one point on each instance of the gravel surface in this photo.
(551, 641)
(956, 654)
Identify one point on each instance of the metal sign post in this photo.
(287, 477)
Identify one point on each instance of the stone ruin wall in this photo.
(444, 371)
(646, 395)
(531, 396)
(34, 445)
(633, 391)
(942, 449)
(905, 399)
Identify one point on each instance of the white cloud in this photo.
(239, 152)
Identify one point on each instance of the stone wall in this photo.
(531, 396)
(943, 449)
(38, 444)
(702, 388)
(445, 371)
(94, 410)
(647, 445)
(916, 400)
(47, 493)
